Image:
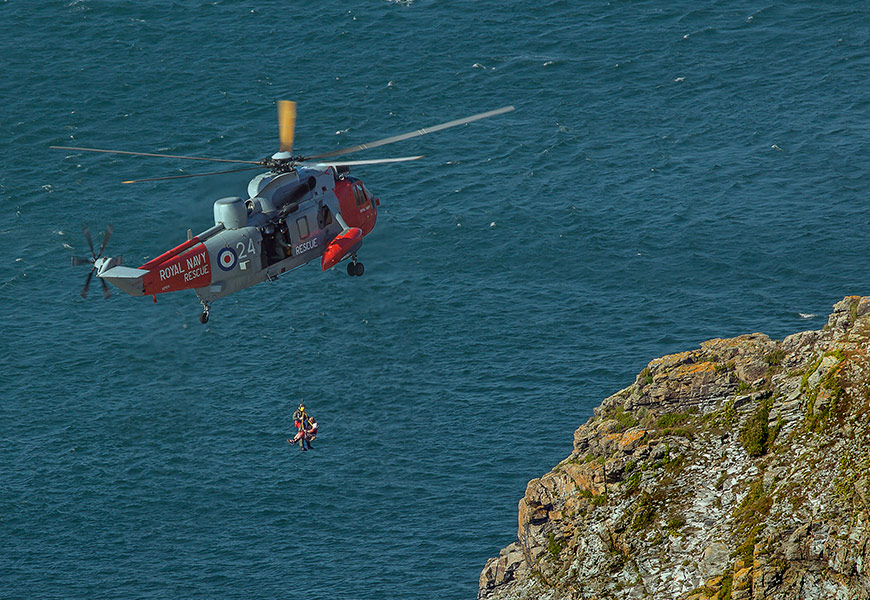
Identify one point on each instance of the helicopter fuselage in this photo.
(300, 210)
(288, 220)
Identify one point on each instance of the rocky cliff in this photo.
(737, 470)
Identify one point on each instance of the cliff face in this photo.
(738, 470)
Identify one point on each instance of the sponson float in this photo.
(301, 209)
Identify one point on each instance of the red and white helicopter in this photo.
(302, 208)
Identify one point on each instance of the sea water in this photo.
(673, 172)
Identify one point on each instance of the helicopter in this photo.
(301, 209)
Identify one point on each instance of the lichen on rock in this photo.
(737, 470)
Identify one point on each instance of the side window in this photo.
(324, 217)
(302, 224)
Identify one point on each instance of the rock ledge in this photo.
(738, 470)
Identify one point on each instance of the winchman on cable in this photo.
(306, 428)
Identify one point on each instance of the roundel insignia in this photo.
(226, 259)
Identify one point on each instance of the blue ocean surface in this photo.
(673, 172)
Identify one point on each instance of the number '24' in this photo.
(243, 253)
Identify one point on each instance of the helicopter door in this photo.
(306, 235)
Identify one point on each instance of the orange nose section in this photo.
(344, 243)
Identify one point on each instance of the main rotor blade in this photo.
(87, 233)
(106, 237)
(286, 124)
(246, 162)
(192, 175)
(374, 161)
(412, 134)
(106, 292)
(81, 260)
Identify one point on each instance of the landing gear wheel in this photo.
(351, 268)
(359, 269)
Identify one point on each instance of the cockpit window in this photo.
(359, 195)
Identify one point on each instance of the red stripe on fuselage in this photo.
(185, 269)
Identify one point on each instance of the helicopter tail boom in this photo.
(187, 266)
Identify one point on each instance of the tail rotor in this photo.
(96, 261)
